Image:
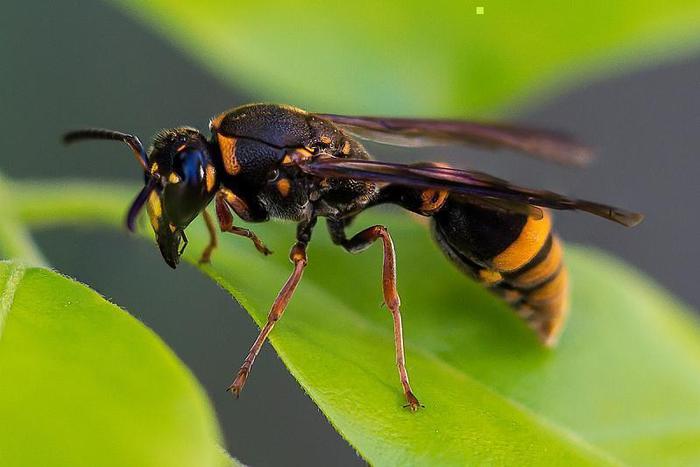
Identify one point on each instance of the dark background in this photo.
(72, 64)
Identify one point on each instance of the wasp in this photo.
(266, 161)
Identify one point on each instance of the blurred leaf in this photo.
(15, 239)
(84, 383)
(417, 57)
(623, 386)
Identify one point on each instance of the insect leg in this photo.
(298, 256)
(361, 242)
(223, 213)
(213, 241)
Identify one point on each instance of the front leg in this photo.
(298, 256)
(361, 242)
(225, 202)
(213, 241)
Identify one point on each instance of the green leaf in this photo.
(416, 57)
(622, 387)
(84, 383)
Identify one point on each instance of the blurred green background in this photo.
(72, 64)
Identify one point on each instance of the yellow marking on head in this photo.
(173, 178)
(325, 139)
(287, 160)
(432, 201)
(544, 269)
(346, 148)
(531, 239)
(283, 186)
(228, 154)
(172, 227)
(210, 177)
(154, 168)
(489, 277)
(154, 209)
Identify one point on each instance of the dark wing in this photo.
(504, 205)
(493, 191)
(550, 145)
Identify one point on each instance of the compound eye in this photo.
(189, 168)
(185, 193)
(273, 175)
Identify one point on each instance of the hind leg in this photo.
(361, 242)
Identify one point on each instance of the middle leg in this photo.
(213, 241)
(298, 256)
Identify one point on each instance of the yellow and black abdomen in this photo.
(515, 255)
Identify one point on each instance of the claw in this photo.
(263, 249)
(413, 404)
(204, 259)
(238, 383)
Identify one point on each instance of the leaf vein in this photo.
(8, 297)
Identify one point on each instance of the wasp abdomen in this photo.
(515, 255)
